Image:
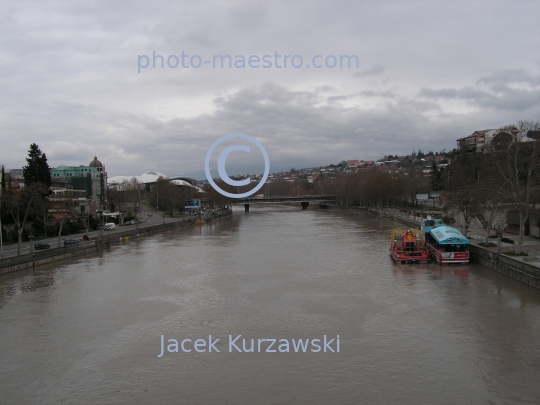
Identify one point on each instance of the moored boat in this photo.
(444, 243)
(429, 223)
(408, 246)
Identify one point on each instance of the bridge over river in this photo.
(322, 201)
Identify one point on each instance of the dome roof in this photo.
(118, 179)
(150, 177)
(95, 163)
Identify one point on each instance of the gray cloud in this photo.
(509, 76)
(70, 81)
(374, 71)
(501, 97)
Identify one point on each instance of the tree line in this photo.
(505, 178)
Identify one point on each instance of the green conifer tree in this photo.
(3, 184)
(37, 169)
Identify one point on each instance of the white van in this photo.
(109, 226)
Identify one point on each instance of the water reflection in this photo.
(87, 330)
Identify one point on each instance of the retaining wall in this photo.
(409, 221)
(38, 257)
(516, 269)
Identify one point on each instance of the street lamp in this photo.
(1, 244)
(499, 234)
(87, 215)
(136, 216)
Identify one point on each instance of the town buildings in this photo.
(92, 179)
(477, 141)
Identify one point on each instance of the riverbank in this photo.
(526, 272)
(37, 258)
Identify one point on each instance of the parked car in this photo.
(99, 226)
(41, 245)
(68, 242)
(128, 223)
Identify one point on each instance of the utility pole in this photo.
(88, 202)
(1, 244)
(136, 216)
(499, 234)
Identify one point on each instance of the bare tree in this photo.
(460, 195)
(516, 157)
(381, 187)
(490, 197)
(415, 182)
(127, 197)
(21, 204)
(63, 207)
(163, 194)
(218, 198)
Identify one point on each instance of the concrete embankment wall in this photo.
(39, 257)
(409, 221)
(516, 269)
(36, 258)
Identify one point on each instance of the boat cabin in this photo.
(447, 245)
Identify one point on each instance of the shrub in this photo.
(516, 253)
(74, 227)
(488, 244)
(13, 235)
(53, 228)
(507, 240)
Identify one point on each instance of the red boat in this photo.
(408, 246)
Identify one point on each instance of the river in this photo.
(88, 331)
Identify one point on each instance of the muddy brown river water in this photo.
(89, 331)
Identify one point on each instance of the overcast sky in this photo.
(428, 72)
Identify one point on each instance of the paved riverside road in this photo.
(146, 221)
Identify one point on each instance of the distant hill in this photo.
(199, 174)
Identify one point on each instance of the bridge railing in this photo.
(289, 197)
